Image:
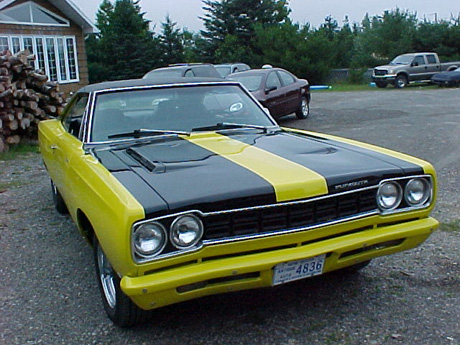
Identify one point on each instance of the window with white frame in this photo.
(4, 44)
(55, 55)
(29, 13)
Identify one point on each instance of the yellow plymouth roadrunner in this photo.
(187, 188)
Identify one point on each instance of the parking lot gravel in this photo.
(49, 295)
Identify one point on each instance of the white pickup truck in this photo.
(410, 68)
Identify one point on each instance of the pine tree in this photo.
(238, 19)
(171, 41)
(125, 47)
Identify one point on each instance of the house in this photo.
(53, 30)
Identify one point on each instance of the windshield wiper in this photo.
(138, 133)
(229, 125)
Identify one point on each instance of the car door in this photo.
(433, 65)
(418, 68)
(67, 144)
(292, 92)
(274, 94)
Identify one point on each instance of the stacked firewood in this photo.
(26, 98)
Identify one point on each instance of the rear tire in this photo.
(59, 203)
(119, 307)
(304, 109)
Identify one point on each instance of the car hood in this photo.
(211, 171)
(386, 67)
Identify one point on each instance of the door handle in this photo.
(53, 147)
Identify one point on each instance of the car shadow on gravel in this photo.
(307, 298)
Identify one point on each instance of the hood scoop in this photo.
(145, 162)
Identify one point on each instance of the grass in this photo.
(344, 87)
(453, 226)
(6, 185)
(18, 150)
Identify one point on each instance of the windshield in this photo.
(223, 70)
(164, 73)
(402, 60)
(172, 109)
(251, 82)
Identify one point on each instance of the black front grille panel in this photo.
(288, 216)
(380, 72)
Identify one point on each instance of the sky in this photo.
(186, 13)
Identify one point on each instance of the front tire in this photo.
(119, 308)
(401, 81)
(304, 109)
(59, 203)
(381, 84)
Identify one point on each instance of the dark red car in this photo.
(278, 90)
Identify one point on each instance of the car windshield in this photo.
(402, 60)
(164, 73)
(251, 82)
(173, 110)
(223, 70)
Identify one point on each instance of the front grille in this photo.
(288, 216)
(380, 72)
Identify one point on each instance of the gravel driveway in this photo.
(48, 291)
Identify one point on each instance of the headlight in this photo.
(149, 239)
(417, 191)
(389, 195)
(186, 231)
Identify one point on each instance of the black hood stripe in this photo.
(187, 177)
(341, 164)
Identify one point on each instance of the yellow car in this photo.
(187, 188)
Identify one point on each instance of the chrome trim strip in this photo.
(140, 260)
(290, 231)
(250, 236)
(288, 203)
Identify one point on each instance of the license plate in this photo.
(298, 269)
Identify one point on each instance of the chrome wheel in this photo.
(107, 278)
(401, 81)
(119, 307)
(304, 109)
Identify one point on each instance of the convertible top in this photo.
(148, 82)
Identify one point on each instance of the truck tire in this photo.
(381, 84)
(401, 81)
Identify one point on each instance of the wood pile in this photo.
(26, 98)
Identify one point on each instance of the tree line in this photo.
(259, 32)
